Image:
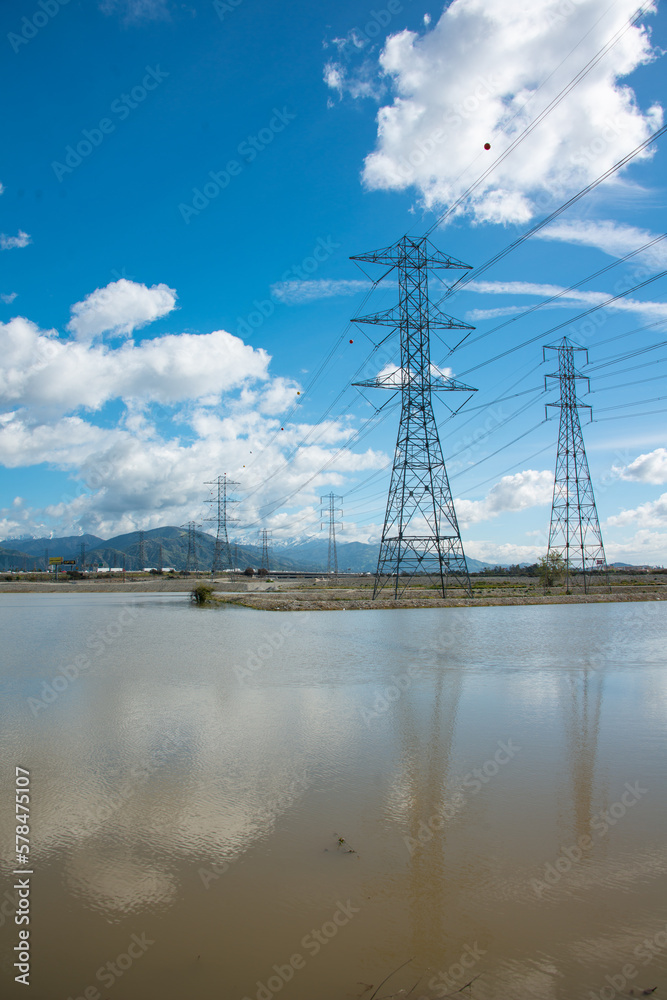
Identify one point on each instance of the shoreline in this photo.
(266, 603)
(322, 596)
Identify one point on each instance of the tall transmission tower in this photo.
(329, 515)
(83, 557)
(142, 550)
(222, 557)
(191, 562)
(265, 537)
(574, 533)
(421, 532)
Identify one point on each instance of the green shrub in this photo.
(202, 594)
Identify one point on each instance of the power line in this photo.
(560, 326)
(565, 291)
(541, 116)
(473, 275)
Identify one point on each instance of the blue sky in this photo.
(183, 185)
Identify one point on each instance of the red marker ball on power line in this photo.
(351, 341)
(487, 145)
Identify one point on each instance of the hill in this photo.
(168, 547)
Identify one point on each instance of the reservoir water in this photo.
(229, 804)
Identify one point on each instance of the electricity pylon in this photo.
(222, 557)
(265, 535)
(574, 533)
(329, 514)
(421, 532)
(142, 550)
(191, 562)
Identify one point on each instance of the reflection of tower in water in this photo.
(429, 786)
(581, 704)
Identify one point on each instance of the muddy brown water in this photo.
(227, 803)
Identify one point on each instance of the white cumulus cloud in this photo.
(648, 516)
(511, 493)
(12, 242)
(120, 308)
(145, 466)
(42, 371)
(649, 468)
(484, 72)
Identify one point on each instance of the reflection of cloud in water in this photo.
(201, 786)
(625, 872)
(118, 886)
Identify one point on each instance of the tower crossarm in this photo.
(435, 318)
(567, 377)
(399, 380)
(399, 253)
(576, 403)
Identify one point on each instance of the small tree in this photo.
(263, 571)
(249, 571)
(549, 568)
(201, 594)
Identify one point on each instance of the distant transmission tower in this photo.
(159, 558)
(574, 533)
(222, 557)
(83, 557)
(191, 561)
(142, 550)
(329, 517)
(420, 533)
(264, 538)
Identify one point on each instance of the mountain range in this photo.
(168, 547)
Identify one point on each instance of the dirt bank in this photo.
(355, 593)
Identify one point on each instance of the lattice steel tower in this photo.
(142, 550)
(265, 535)
(191, 562)
(421, 532)
(222, 556)
(574, 533)
(329, 514)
